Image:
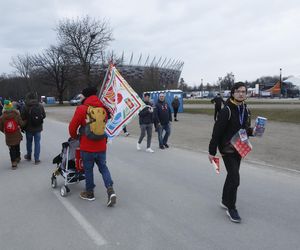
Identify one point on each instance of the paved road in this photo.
(166, 200)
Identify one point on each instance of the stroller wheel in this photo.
(63, 191)
(53, 182)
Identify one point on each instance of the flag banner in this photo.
(120, 99)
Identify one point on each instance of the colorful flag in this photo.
(120, 99)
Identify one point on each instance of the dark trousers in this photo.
(14, 152)
(175, 113)
(216, 113)
(232, 163)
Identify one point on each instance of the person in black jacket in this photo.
(146, 123)
(33, 129)
(232, 119)
(217, 100)
(162, 119)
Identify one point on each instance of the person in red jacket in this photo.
(91, 151)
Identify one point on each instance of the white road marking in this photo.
(88, 228)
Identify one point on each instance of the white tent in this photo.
(293, 80)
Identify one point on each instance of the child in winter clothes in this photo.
(10, 123)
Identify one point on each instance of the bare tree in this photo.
(227, 81)
(22, 64)
(84, 41)
(56, 66)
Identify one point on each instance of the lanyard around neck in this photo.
(241, 114)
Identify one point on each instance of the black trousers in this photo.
(232, 163)
(14, 152)
(217, 110)
(175, 112)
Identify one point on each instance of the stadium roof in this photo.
(293, 80)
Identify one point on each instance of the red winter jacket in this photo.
(79, 120)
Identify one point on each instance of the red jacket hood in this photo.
(93, 100)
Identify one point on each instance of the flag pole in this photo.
(104, 81)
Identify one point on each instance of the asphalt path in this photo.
(166, 200)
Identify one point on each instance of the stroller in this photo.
(69, 166)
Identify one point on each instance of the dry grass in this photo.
(278, 115)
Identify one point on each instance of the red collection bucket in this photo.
(78, 161)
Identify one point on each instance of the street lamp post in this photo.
(220, 79)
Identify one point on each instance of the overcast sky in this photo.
(249, 38)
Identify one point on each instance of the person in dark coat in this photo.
(217, 100)
(146, 123)
(33, 130)
(10, 125)
(175, 105)
(233, 118)
(162, 121)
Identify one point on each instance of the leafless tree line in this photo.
(81, 44)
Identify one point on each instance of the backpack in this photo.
(36, 116)
(96, 122)
(11, 126)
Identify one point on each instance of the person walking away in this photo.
(1, 106)
(33, 114)
(90, 118)
(175, 105)
(162, 121)
(233, 118)
(10, 124)
(217, 100)
(146, 123)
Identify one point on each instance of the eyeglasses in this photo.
(240, 92)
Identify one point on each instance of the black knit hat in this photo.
(89, 91)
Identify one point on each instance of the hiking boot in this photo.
(233, 215)
(86, 195)
(37, 162)
(138, 146)
(223, 205)
(162, 147)
(149, 150)
(166, 145)
(27, 157)
(112, 198)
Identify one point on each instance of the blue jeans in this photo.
(163, 140)
(37, 144)
(88, 159)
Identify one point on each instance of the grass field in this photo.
(249, 101)
(278, 115)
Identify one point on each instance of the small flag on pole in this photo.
(120, 99)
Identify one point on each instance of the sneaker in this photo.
(234, 215)
(14, 165)
(223, 205)
(112, 198)
(149, 150)
(27, 157)
(127, 134)
(162, 147)
(166, 145)
(138, 146)
(86, 195)
(176, 120)
(36, 162)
